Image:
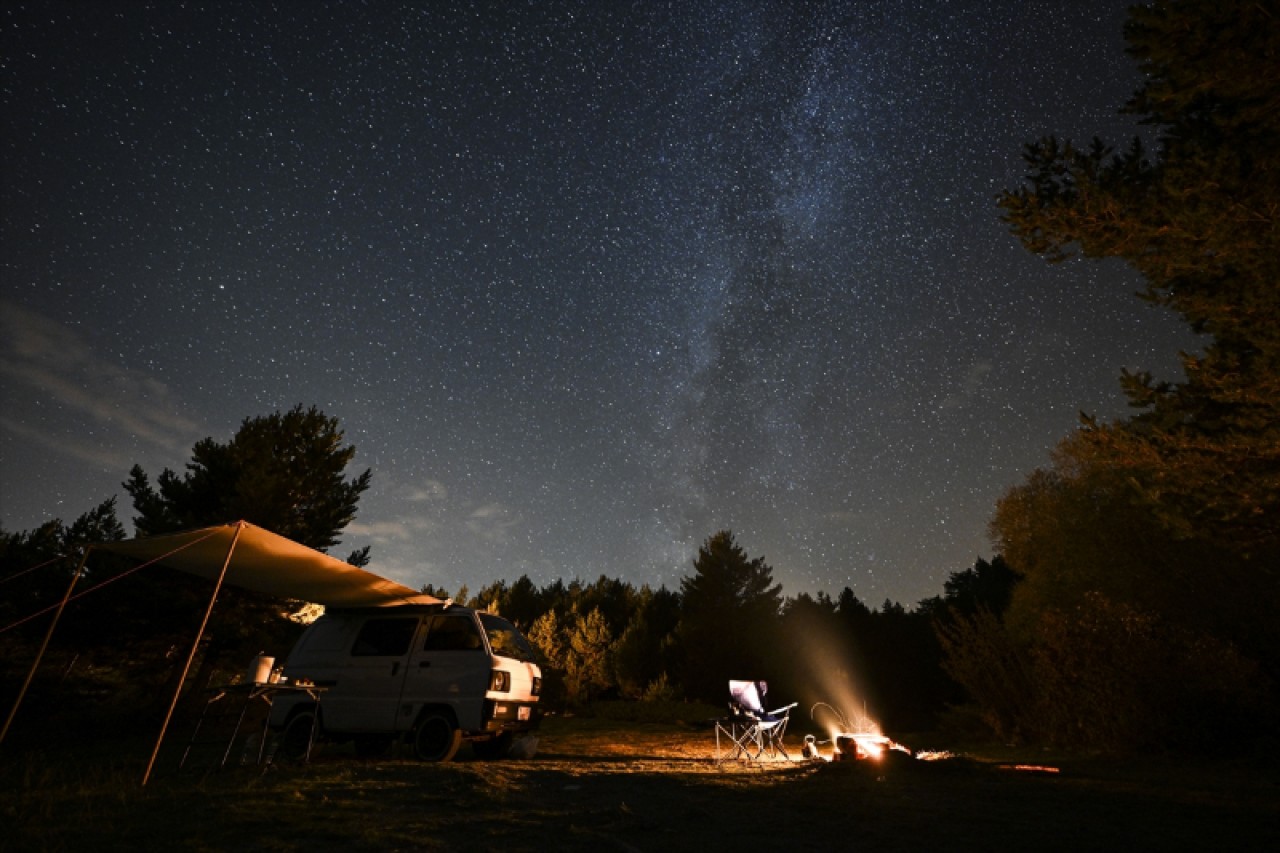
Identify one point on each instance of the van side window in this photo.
(384, 637)
(504, 639)
(452, 632)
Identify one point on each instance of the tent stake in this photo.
(48, 634)
(192, 654)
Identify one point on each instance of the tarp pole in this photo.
(191, 656)
(48, 634)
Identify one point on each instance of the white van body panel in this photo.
(381, 669)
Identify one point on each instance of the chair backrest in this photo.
(748, 695)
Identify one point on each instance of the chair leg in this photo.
(749, 740)
(736, 740)
(772, 742)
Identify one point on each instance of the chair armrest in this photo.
(784, 708)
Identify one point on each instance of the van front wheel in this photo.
(436, 738)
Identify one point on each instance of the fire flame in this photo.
(864, 739)
(827, 665)
(869, 744)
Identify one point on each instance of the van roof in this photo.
(401, 608)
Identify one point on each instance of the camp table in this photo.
(248, 693)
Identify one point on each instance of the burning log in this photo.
(864, 742)
(851, 746)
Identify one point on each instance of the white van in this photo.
(436, 674)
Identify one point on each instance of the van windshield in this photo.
(505, 639)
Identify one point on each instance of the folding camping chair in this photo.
(753, 731)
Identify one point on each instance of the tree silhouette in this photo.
(283, 472)
(643, 653)
(1198, 219)
(728, 618)
(1147, 550)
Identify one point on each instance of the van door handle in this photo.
(395, 667)
(423, 664)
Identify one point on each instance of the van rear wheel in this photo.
(298, 738)
(436, 738)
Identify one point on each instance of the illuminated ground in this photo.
(614, 786)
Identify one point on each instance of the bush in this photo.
(1108, 676)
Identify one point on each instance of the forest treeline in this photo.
(1134, 601)
(596, 640)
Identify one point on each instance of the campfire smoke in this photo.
(852, 734)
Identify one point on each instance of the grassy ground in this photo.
(610, 785)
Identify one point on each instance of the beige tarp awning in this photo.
(265, 562)
(252, 558)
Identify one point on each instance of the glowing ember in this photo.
(871, 745)
(862, 740)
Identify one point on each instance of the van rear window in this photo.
(382, 637)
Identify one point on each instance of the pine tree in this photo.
(1147, 551)
(729, 612)
(1200, 219)
(283, 472)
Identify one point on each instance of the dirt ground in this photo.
(641, 787)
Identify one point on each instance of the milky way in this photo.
(583, 282)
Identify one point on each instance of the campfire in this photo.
(864, 741)
(861, 740)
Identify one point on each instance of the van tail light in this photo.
(500, 681)
(536, 690)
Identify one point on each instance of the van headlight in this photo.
(500, 681)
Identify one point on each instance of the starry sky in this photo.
(583, 282)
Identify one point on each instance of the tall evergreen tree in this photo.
(1147, 551)
(588, 667)
(1201, 221)
(729, 612)
(642, 654)
(36, 566)
(283, 472)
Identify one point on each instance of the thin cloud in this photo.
(56, 363)
(381, 532)
(86, 452)
(429, 491)
(397, 530)
(491, 522)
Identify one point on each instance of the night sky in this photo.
(583, 282)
